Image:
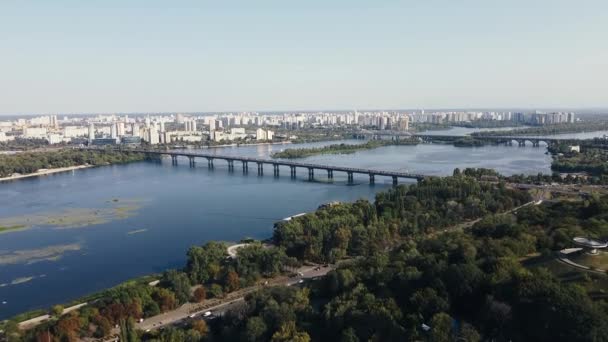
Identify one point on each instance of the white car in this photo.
(207, 314)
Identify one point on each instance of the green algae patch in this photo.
(6, 229)
(72, 217)
(30, 256)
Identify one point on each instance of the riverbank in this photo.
(254, 144)
(44, 172)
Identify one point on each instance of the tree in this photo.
(231, 281)
(68, 327)
(349, 335)
(166, 299)
(201, 327)
(127, 331)
(441, 327)
(200, 294)
(179, 283)
(255, 329)
(57, 310)
(12, 332)
(215, 290)
(44, 336)
(289, 333)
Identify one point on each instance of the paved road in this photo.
(218, 307)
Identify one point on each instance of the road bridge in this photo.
(260, 163)
(499, 140)
(494, 139)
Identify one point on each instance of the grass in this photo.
(599, 261)
(595, 283)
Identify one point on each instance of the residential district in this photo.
(155, 129)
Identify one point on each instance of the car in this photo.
(300, 281)
(207, 314)
(192, 316)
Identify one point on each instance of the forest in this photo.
(407, 272)
(293, 153)
(30, 162)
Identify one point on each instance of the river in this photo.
(90, 229)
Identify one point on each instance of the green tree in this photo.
(255, 329)
(179, 283)
(289, 333)
(127, 331)
(57, 310)
(441, 327)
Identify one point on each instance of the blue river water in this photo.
(143, 216)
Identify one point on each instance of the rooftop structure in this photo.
(591, 246)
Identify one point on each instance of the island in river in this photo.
(293, 153)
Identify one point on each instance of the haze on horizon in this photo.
(69, 56)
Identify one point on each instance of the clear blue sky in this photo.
(133, 56)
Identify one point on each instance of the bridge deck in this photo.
(282, 162)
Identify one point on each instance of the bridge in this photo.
(276, 164)
(500, 140)
(494, 139)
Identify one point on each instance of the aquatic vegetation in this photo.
(72, 217)
(30, 256)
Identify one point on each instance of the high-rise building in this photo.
(113, 131)
(404, 124)
(54, 122)
(571, 117)
(91, 132)
(135, 130)
(190, 125)
(120, 128)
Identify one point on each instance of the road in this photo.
(220, 306)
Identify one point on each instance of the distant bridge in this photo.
(276, 164)
(498, 140)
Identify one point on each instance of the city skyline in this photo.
(126, 57)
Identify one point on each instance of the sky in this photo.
(74, 56)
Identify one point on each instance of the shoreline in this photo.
(241, 145)
(45, 172)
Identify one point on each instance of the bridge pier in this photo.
(210, 162)
(330, 174)
(173, 159)
(230, 165)
(372, 178)
(260, 169)
(245, 167)
(192, 163)
(350, 177)
(275, 169)
(535, 143)
(395, 181)
(522, 143)
(293, 171)
(311, 173)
